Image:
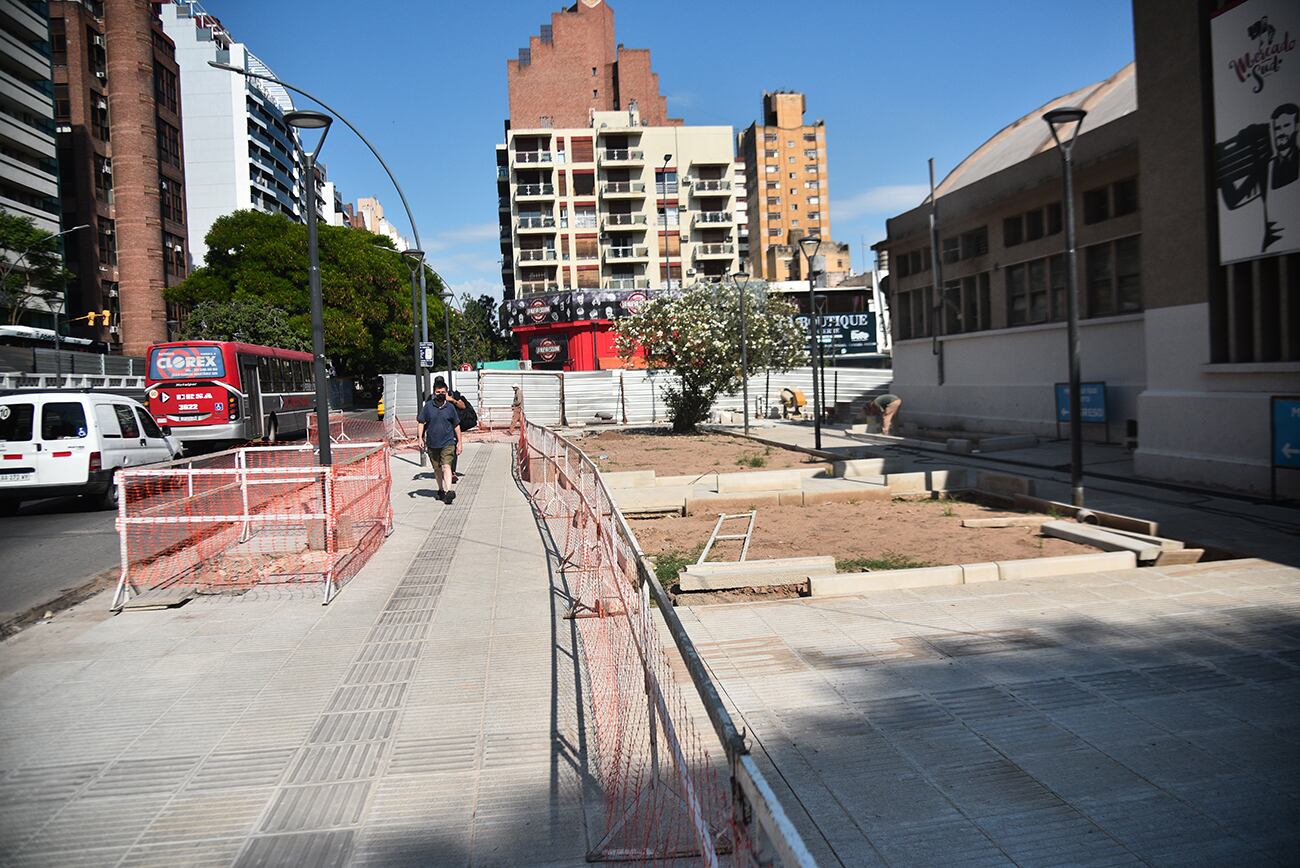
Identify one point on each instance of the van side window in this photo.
(16, 422)
(150, 427)
(107, 420)
(125, 418)
(63, 421)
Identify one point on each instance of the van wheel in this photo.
(108, 500)
(272, 430)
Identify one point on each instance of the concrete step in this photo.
(1091, 535)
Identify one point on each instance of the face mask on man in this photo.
(440, 397)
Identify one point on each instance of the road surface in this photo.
(51, 546)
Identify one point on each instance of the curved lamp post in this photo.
(238, 70)
(809, 245)
(309, 120)
(741, 279)
(1057, 120)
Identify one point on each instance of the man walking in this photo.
(439, 430)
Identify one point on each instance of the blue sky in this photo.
(896, 83)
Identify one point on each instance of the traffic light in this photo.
(106, 315)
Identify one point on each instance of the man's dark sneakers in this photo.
(451, 495)
(441, 495)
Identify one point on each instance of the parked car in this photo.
(54, 444)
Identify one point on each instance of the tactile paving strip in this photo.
(314, 813)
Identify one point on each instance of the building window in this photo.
(814, 215)
(773, 231)
(773, 201)
(771, 155)
(169, 144)
(1096, 205)
(173, 255)
(1054, 218)
(546, 122)
(810, 153)
(99, 116)
(912, 314)
(769, 169)
(1246, 311)
(173, 200)
(665, 182)
(164, 87)
(811, 185)
(975, 243)
(1112, 277)
(1012, 231)
(584, 184)
(62, 103)
(1124, 197)
(1036, 291)
(951, 250)
(58, 42)
(770, 137)
(672, 216)
(584, 216)
(103, 171)
(1034, 225)
(107, 242)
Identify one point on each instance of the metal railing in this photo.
(710, 185)
(663, 796)
(536, 254)
(622, 187)
(627, 283)
(626, 253)
(535, 190)
(530, 287)
(624, 219)
(532, 156)
(622, 155)
(715, 249)
(713, 217)
(544, 221)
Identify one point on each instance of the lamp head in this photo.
(809, 245)
(415, 255)
(308, 120)
(668, 158)
(1058, 119)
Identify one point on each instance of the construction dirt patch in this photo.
(671, 454)
(873, 535)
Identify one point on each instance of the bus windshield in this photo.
(186, 363)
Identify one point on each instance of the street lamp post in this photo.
(663, 237)
(1057, 120)
(742, 287)
(415, 262)
(239, 70)
(809, 245)
(309, 120)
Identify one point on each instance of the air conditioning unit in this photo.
(690, 272)
(101, 75)
(98, 40)
(102, 103)
(114, 330)
(111, 292)
(686, 182)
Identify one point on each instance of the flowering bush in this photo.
(695, 333)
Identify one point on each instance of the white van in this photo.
(54, 444)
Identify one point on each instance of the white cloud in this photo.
(684, 99)
(475, 287)
(464, 235)
(890, 200)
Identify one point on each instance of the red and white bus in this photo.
(221, 390)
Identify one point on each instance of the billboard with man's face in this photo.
(1256, 64)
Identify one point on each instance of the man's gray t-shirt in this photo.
(439, 423)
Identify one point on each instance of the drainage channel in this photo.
(316, 811)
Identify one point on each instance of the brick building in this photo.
(574, 67)
(787, 186)
(117, 110)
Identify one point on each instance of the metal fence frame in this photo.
(753, 802)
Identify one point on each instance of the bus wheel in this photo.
(272, 430)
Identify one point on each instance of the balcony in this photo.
(714, 218)
(627, 283)
(715, 251)
(627, 254)
(536, 254)
(543, 223)
(532, 287)
(710, 187)
(533, 158)
(503, 173)
(503, 203)
(622, 157)
(632, 220)
(622, 189)
(535, 191)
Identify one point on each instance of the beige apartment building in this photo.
(787, 189)
(616, 205)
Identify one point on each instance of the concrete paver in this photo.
(415, 721)
(1137, 717)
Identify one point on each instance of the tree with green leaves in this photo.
(32, 270)
(696, 334)
(247, 319)
(259, 261)
(476, 335)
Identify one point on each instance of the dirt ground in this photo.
(896, 534)
(671, 454)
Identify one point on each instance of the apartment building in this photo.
(239, 152)
(370, 212)
(121, 167)
(29, 183)
(787, 193)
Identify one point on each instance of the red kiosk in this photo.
(571, 331)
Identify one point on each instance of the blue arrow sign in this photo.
(1286, 432)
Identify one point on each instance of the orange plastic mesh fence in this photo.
(252, 516)
(666, 796)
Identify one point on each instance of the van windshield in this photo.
(63, 420)
(16, 422)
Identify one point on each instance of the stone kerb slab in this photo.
(1066, 565)
(653, 498)
(1085, 534)
(616, 479)
(760, 480)
(884, 580)
(753, 574)
(844, 584)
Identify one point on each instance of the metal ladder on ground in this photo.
(716, 537)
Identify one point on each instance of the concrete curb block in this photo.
(1096, 537)
(753, 574)
(850, 584)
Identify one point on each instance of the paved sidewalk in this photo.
(1233, 524)
(1141, 717)
(421, 719)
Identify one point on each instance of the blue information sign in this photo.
(1286, 432)
(1092, 402)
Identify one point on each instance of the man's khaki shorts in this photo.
(441, 455)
